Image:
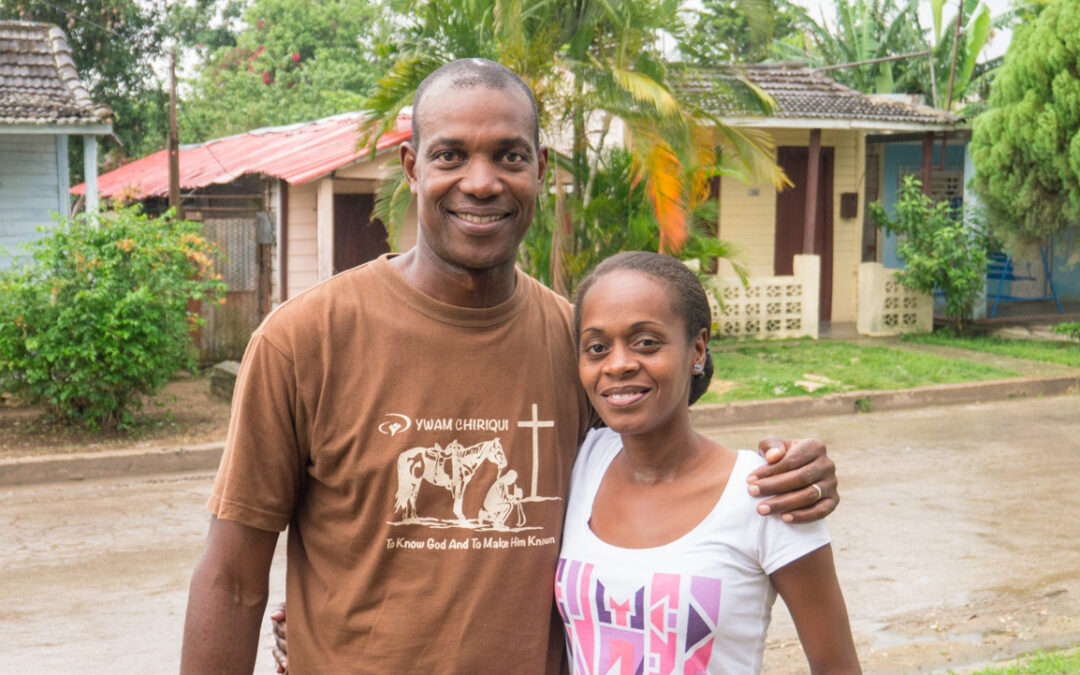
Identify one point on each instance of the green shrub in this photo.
(939, 250)
(98, 317)
(1071, 329)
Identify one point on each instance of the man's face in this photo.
(476, 174)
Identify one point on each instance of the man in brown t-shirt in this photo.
(394, 416)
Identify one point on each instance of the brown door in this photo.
(790, 218)
(357, 237)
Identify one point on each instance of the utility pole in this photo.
(174, 141)
(952, 75)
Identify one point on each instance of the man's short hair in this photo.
(469, 73)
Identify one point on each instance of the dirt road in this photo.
(957, 542)
(958, 537)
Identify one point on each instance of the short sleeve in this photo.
(260, 477)
(783, 543)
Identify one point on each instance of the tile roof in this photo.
(803, 94)
(38, 82)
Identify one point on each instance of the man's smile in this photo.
(477, 221)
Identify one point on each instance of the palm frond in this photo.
(750, 152)
(392, 93)
(662, 172)
(646, 90)
(392, 200)
(508, 25)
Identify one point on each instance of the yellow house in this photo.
(818, 130)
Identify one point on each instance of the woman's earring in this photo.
(698, 369)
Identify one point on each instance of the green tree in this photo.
(864, 30)
(741, 31)
(618, 218)
(588, 62)
(873, 29)
(955, 56)
(291, 61)
(1026, 145)
(98, 318)
(940, 251)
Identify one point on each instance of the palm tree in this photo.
(589, 62)
(874, 29)
(865, 30)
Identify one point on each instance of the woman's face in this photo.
(635, 360)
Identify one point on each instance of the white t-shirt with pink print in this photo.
(700, 604)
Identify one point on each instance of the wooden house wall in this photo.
(33, 186)
(748, 214)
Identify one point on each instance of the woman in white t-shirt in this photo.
(665, 565)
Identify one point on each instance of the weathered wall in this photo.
(33, 185)
(303, 266)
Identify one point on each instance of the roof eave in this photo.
(89, 129)
(364, 156)
(845, 124)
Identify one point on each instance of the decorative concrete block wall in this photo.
(885, 307)
(769, 307)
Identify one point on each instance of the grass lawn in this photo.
(769, 370)
(1041, 663)
(1067, 353)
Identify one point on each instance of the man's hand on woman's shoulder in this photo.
(799, 478)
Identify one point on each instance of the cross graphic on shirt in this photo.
(535, 424)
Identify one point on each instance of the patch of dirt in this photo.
(185, 412)
(999, 627)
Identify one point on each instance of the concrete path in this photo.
(956, 544)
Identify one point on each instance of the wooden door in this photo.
(357, 237)
(790, 218)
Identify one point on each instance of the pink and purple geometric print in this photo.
(665, 626)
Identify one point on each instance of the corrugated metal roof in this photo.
(38, 82)
(296, 153)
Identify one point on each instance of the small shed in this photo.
(42, 105)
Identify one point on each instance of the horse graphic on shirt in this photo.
(420, 464)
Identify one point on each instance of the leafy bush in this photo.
(939, 250)
(1071, 329)
(98, 318)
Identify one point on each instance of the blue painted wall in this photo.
(1066, 247)
(33, 186)
(1066, 275)
(908, 154)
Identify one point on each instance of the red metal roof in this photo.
(296, 153)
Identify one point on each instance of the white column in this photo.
(807, 267)
(324, 207)
(90, 169)
(63, 185)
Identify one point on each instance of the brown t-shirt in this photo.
(420, 454)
